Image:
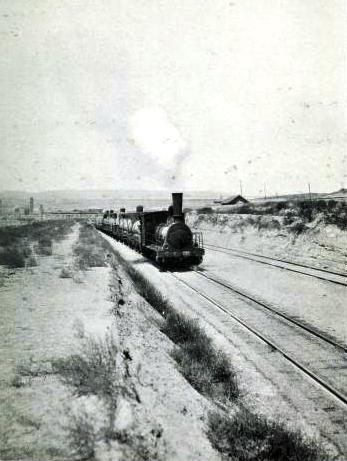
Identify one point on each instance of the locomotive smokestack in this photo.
(177, 200)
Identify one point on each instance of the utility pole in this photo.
(240, 187)
(264, 190)
(310, 196)
(309, 192)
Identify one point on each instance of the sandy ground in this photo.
(269, 385)
(44, 316)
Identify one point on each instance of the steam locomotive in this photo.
(160, 235)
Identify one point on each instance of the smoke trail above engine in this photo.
(158, 139)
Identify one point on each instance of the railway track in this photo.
(319, 357)
(322, 274)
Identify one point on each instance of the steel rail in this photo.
(274, 311)
(233, 252)
(287, 261)
(326, 386)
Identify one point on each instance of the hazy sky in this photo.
(155, 94)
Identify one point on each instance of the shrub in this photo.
(268, 224)
(12, 256)
(205, 210)
(82, 436)
(297, 228)
(90, 249)
(93, 370)
(65, 273)
(279, 206)
(15, 241)
(147, 290)
(207, 369)
(247, 436)
(44, 246)
(289, 218)
(180, 329)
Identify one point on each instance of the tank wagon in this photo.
(160, 235)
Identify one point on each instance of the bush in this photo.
(93, 370)
(205, 210)
(180, 329)
(147, 290)
(15, 241)
(208, 370)
(82, 436)
(13, 256)
(247, 436)
(90, 249)
(297, 228)
(269, 224)
(44, 247)
(289, 218)
(66, 273)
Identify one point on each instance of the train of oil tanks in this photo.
(159, 235)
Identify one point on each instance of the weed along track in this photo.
(315, 355)
(321, 274)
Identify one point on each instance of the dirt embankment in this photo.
(313, 243)
(85, 371)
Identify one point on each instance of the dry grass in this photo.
(14, 255)
(207, 369)
(93, 371)
(90, 250)
(81, 436)
(249, 437)
(16, 241)
(148, 291)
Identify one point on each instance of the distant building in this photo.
(41, 210)
(31, 205)
(234, 200)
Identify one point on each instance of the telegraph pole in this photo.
(309, 192)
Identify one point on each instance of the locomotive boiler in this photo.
(159, 235)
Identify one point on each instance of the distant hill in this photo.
(342, 193)
(85, 199)
(338, 195)
(106, 199)
(287, 197)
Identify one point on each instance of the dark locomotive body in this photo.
(160, 235)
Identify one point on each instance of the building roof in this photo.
(234, 199)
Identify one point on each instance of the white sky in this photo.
(155, 94)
